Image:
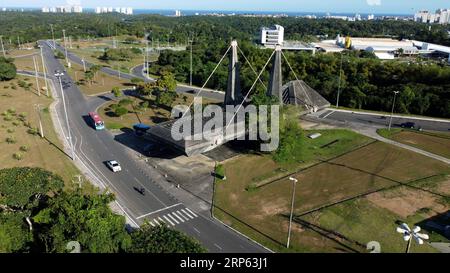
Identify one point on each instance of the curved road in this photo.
(161, 203)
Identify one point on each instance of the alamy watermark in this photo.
(217, 125)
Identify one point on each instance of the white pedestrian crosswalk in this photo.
(173, 218)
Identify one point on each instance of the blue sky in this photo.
(362, 6)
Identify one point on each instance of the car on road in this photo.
(58, 73)
(409, 125)
(113, 165)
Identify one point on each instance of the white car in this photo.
(114, 165)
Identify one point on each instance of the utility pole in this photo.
(292, 210)
(190, 76)
(67, 118)
(3, 47)
(36, 76)
(38, 109)
(392, 112)
(84, 65)
(339, 87)
(45, 72)
(147, 60)
(65, 45)
(18, 42)
(53, 36)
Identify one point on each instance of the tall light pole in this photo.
(339, 86)
(38, 109)
(53, 36)
(190, 75)
(292, 210)
(59, 75)
(36, 76)
(65, 45)
(392, 112)
(3, 47)
(409, 234)
(84, 65)
(45, 72)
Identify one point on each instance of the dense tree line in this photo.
(32, 26)
(36, 215)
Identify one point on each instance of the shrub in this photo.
(11, 140)
(12, 111)
(18, 156)
(33, 131)
(120, 111)
(8, 118)
(16, 123)
(24, 148)
(11, 130)
(125, 102)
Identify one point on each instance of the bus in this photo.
(97, 122)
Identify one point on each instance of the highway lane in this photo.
(381, 120)
(137, 73)
(95, 147)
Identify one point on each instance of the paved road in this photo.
(159, 204)
(137, 73)
(380, 120)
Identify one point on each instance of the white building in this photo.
(123, 10)
(45, 10)
(442, 16)
(272, 36)
(177, 13)
(370, 17)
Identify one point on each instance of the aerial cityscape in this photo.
(295, 127)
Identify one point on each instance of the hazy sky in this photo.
(363, 6)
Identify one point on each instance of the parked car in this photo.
(114, 165)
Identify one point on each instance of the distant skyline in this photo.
(333, 6)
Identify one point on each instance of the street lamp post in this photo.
(38, 109)
(53, 37)
(66, 116)
(339, 85)
(409, 234)
(392, 112)
(44, 70)
(292, 210)
(3, 47)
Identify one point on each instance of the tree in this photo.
(89, 76)
(23, 188)
(7, 69)
(162, 239)
(117, 92)
(15, 235)
(59, 55)
(120, 111)
(85, 219)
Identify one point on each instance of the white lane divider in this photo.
(167, 219)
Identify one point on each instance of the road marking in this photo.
(156, 221)
(184, 216)
(196, 230)
(151, 223)
(190, 216)
(167, 219)
(218, 246)
(161, 220)
(156, 211)
(176, 215)
(328, 115)
(191, 212)
(173, 219)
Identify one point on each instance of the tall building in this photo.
(123, 10)
(177, 13)
(442, 16)
(272, 36)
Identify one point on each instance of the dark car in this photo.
(409, 125)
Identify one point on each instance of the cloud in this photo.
(373, 2)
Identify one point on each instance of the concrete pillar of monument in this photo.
(233, 96)
(276, 80)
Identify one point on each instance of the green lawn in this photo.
(433, 142)
(261, 212)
